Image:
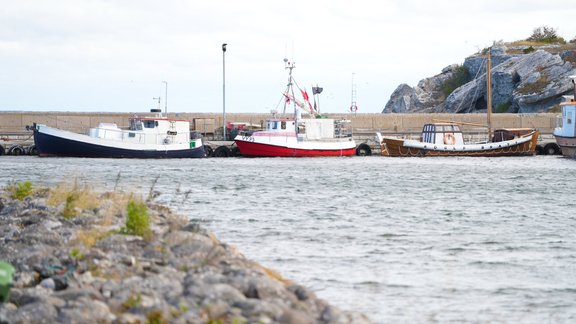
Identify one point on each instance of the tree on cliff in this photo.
(545, 34)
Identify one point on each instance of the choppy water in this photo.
(399, 239)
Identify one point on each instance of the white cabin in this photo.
(146, 130)
(442, 134)
(309, 129)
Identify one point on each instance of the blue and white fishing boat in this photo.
(565, 134)
(146, 137)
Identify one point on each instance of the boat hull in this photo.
(255, 149)
(61, 146)
(567, 145)
(524, 146)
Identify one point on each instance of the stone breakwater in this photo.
(82, 269)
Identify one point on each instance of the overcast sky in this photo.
(113, 55)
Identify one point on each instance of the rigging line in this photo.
(475, 80)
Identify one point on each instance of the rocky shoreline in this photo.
(79, 259)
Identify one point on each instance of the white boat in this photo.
(566, 134)
(297, 136)
(147, 137)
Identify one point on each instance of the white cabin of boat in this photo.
(442, 134)
(568, 121)
(146, 130)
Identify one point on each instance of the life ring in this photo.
(449, 139)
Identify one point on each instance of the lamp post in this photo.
(224, 90)
(166, 99)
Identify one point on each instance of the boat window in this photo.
(135, 124)
(150, 123)
(131, 134)
(283, 125)
(275, 125)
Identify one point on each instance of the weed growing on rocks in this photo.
(75, 199)
(137, 220)
(20, 190)
(70, 206)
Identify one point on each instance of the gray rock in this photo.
(40, 312)
(524, 83)
(48, 283)
(86, 311)
(427, 95)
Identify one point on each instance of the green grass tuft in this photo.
(503, 107)
(137, 220)
(20, 190)
(69, 211)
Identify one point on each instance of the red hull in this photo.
(265, 150)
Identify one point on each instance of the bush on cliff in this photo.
(545, 34)
(459, 77)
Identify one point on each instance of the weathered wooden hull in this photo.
(400, 148)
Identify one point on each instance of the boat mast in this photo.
(290, 92)
(289, 88)
(489, 96)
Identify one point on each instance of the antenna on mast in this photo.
(289, 89)
(353, 106)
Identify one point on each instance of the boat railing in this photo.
(137, 137)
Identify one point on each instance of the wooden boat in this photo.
(446, 139)
(147, 137)
(297, 136)
(566, 134)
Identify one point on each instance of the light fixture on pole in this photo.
(224, 90)
(158, 100)
(166, 99)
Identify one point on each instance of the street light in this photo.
(224, 90)
(166, 99)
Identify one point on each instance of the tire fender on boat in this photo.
(222, 151)
(363, 150)
(551, 149)
(209, 151)
(16, 150)
(31, 150)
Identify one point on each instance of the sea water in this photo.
(402, 240)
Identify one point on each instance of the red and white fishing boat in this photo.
(297, 136)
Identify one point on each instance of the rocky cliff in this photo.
(521, 83)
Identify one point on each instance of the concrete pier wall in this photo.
(208, 122)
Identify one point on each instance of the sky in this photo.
(117, 55)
